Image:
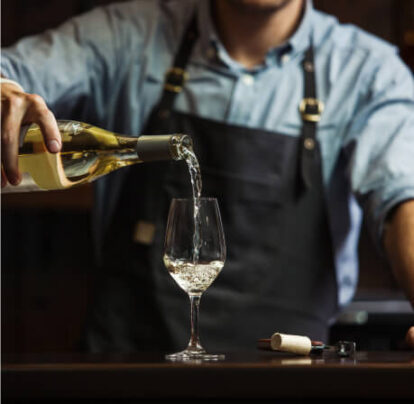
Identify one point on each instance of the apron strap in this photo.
(310, 109)
(176, 76)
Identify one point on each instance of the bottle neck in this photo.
(154, 147)
(162, 147)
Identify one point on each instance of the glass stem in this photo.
(195, 304)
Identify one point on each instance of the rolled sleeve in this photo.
(60, 64)
(382, 144)
(84, 60)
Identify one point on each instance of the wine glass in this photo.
(194, 254)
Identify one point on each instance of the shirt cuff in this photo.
(380, 207)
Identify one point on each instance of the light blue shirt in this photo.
(107, 67)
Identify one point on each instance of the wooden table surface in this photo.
(249, 375)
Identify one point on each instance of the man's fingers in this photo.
(9, 157)
(17, 108)
(12, 111)
(51, 133)
(40, 114)
(409, 338)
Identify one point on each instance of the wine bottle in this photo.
(87, 153)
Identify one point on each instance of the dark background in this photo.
(47, 263)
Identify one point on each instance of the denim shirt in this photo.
(107, 67)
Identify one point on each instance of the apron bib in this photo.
(279, 272)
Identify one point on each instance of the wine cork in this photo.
(297, 344)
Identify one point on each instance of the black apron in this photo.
(279, 272)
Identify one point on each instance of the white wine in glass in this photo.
(194, 254)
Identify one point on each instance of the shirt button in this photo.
(247, 79)
(285, 58)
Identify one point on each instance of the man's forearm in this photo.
(399, 246)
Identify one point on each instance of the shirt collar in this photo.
(212, 46)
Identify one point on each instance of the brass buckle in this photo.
(174, 79)
(311, 109)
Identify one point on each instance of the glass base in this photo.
(196, 355)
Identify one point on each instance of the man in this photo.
(295, 118)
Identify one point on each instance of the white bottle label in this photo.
(27, 184)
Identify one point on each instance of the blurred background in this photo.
(46, 250)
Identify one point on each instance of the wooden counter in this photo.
(253, 375)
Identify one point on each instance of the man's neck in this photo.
(249, 34)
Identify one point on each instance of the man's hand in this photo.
(19, 108)
(398, 243)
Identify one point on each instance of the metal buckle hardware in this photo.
(311, 109)
(174, 79)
